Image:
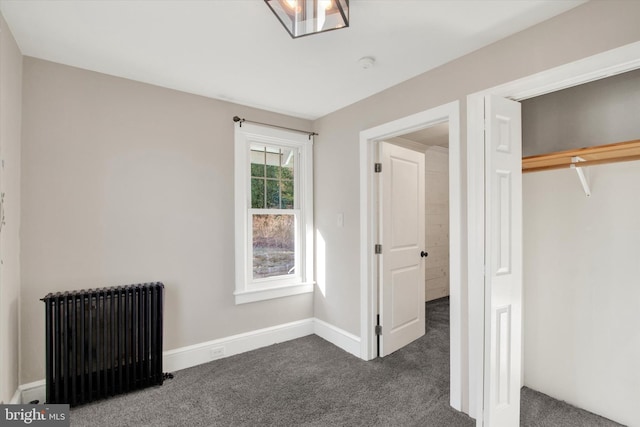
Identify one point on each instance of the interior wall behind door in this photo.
(581, 298)
(596, 113)
(437, 223)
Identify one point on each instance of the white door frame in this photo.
(368, 231)
(616, 61)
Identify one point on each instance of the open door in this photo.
(503, 262)
(402, 265)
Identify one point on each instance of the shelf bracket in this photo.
(582, 176)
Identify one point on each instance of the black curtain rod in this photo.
(238, 119)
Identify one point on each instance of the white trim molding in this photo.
(438, 149)
(197, 354)
(338, 337)
(17, 397)
(33, 391)
(243, 297)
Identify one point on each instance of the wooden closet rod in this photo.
(598, 155)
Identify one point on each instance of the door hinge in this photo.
(378, 249)
(377, 168)
(378, 329)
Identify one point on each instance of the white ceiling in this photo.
(236, 50)
(433, 135)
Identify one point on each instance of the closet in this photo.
(581, 254)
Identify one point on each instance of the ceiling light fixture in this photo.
(306, 17)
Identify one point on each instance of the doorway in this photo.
(448, 113)
(413, 227)
(434, 143)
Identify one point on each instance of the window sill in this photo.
(253, 295)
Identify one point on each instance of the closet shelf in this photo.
(581, 157)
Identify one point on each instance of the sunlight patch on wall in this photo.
(321, 263)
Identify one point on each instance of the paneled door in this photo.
(402, 261)
(503, 262)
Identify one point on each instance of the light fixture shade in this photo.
(305, 17)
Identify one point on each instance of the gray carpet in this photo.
(309, 382)
(540, 410)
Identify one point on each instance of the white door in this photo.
(402, 312)
(503, 262)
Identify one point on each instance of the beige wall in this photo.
(581, 297)
(437, 223)
(597, 113)
(10, 116)
(124, 182)
(584, 31)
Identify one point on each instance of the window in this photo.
(274, 213)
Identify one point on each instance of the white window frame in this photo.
(248, 289)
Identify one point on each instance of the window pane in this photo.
(287, 195)
(257, 169)
(273, 164)
(273, 172)
(288, 159)
(257, 193)
(273, 245)
(287, 172)
(257, 160)
(273, 194)
(257, 152)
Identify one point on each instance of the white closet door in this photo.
(503, 262)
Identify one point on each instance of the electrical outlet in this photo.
(216, 353)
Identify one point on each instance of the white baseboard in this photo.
(16, 397)
(33, 391)
(197, 354)
(186, 357)
(338, 337)
(193, 355)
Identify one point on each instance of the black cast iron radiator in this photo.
(103, 342)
